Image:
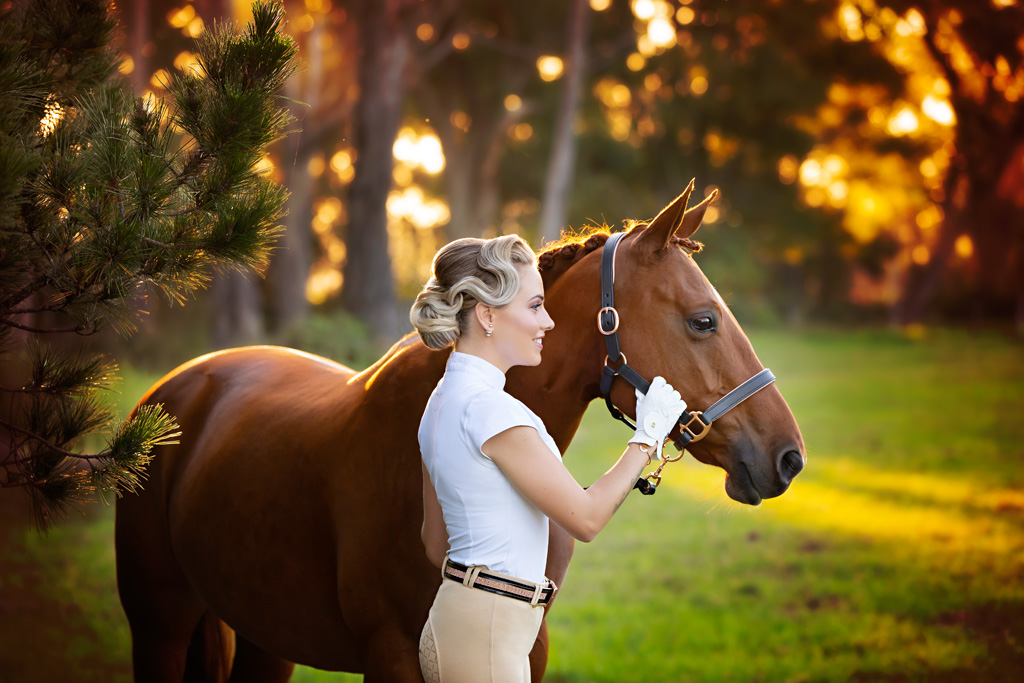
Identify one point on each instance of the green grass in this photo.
(905, 524)
(897, 555)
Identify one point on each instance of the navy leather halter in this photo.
(693, 426)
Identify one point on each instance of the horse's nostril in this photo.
(790, 465)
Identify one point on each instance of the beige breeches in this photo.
(473, 636)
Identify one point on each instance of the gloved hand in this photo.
(657, 412)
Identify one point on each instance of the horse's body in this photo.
(291, 510)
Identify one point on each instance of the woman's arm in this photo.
(542, 479)
(434, 533)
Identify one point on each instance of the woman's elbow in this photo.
(583, 530)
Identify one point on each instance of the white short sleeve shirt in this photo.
(488, 522)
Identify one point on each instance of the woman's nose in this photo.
(548, 322)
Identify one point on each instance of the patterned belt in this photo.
(475, 577)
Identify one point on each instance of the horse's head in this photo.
(673, 323)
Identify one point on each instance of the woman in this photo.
(492, 476)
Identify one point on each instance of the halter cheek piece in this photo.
(693, 426)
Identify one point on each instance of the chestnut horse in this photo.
(285, 527)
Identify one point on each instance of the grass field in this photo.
(898, 555)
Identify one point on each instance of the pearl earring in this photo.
(488, 332)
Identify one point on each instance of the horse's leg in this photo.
(560, 547)
(256, 665)
(539, 654)
(164, 614)
(162, 623)
(392, 657)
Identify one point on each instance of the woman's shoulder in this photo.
(492, 399)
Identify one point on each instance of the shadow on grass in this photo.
(1000, 626)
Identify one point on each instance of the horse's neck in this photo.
(560, 388)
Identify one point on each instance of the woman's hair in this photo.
(466, 272)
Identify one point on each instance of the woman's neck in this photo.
(476, 347)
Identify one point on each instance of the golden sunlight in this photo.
(600, 5)
(424, 32)
(938, 110)
(964, 246)
(661, 32)
(419, 151)
(521, 132)
(186, 60)
(903, 122)
(52, 114)
(179, 18)
(160, 78)
(341, 164)
(788, 168)
(891, 506)
(412, 205)
(324, 280)
(685, 16)
(550, 67)
(643, 9)
(195, 28)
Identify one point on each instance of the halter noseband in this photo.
(693, 426)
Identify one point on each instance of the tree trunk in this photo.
(290, 264)
(139, 37)
(368, 287)
(555, 205)
(236, 311)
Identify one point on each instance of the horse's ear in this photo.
(693, 216)
(659, 231)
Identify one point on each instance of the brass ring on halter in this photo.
(665, 457)
(705, 427)
(621, 355)
(614, 313)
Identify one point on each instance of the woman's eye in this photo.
(703, 323)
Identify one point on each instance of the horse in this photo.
(285, 526)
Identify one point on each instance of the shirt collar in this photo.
(477, 367)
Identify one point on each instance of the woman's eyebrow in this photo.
(537, 296)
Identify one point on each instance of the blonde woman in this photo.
(492, 476)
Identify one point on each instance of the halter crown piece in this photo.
(693, 426)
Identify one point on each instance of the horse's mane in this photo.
(557, 257)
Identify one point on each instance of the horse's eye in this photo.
(703, 323)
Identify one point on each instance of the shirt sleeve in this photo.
(491, 413)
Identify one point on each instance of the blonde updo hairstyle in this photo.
(466, 272)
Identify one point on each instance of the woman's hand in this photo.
(657, 412)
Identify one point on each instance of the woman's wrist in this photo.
(645, 450)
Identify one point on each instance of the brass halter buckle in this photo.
(694, 435)
(615, 315)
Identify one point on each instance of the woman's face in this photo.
(519, 327)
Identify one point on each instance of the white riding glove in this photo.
(657, 412)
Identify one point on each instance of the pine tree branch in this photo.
(157, 243)
(84, 329)
(44, 441)
(24, 293)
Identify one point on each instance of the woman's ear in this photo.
(484, 316)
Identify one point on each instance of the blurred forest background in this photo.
(870, 159)
(869, 153)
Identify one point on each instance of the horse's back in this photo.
(238, 496)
